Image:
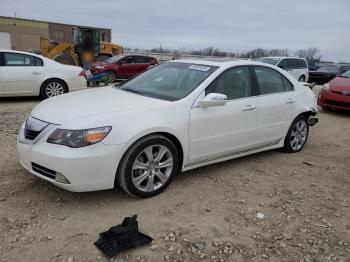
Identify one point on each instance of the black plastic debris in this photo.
(121, 237)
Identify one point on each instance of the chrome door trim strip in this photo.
(234, 153)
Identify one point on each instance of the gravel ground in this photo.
(208, 214)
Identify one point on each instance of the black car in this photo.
(326, 73)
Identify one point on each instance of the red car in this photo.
(123, 66)
(336, 94)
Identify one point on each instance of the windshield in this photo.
(114, 59)
(270, 60)
(346, 74)
(329, 68)
(169, 81)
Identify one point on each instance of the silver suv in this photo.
(297, 67)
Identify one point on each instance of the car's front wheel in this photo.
(297, 135)
(148, 167)
(111, 76)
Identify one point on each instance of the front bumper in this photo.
(87, 169)
(330, 99)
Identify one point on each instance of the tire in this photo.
(141, 173)
(111, 76)
(51, 88)
(297, 135)
(64, 59)
(302, 78)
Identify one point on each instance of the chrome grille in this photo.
(31, 135)
(33, 127)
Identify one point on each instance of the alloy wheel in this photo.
(298, 135)
(54, 89)
(110, 76)
(152, 168)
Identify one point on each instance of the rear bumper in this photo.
(77, 83)
(333, 100)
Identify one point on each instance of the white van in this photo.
(297, 67)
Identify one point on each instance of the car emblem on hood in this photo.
(345, 92)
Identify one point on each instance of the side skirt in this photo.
(276, 144)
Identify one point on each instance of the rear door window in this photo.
(38, 62)
(270, 81)
(15, 59)
(301, 63)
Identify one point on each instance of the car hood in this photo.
(340, 84)
(86, 103)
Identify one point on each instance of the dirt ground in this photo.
(208, 214)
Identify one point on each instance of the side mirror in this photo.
(281, 66)
(213, 99)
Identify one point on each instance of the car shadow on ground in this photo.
(336, 112)
(20, 99)
(49, 191)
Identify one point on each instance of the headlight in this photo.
(325, 87)
(78, 138)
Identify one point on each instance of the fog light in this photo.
(61, 178)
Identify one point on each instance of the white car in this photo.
(175, 117)
(296, 66)
(27, 74)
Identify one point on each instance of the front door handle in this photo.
(248, 108)
(290, 100)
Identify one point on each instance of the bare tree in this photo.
(312, 53)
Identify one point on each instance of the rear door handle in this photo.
(36, 73)
(248, 108)
(290, 101)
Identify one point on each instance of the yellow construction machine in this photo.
(87, 48)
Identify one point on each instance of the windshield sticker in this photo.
(199, 67)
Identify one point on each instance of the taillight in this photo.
(82, 73)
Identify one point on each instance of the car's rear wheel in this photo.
(148, 167)
(301, 79)
(111, 76)
(53, 88)
(297, 135)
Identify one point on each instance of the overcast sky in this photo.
(230, 25)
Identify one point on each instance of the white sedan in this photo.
(175, 117)
(27, 74)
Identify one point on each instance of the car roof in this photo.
(282, 57)
(136, 54)
(219, 63)
(19, 52)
